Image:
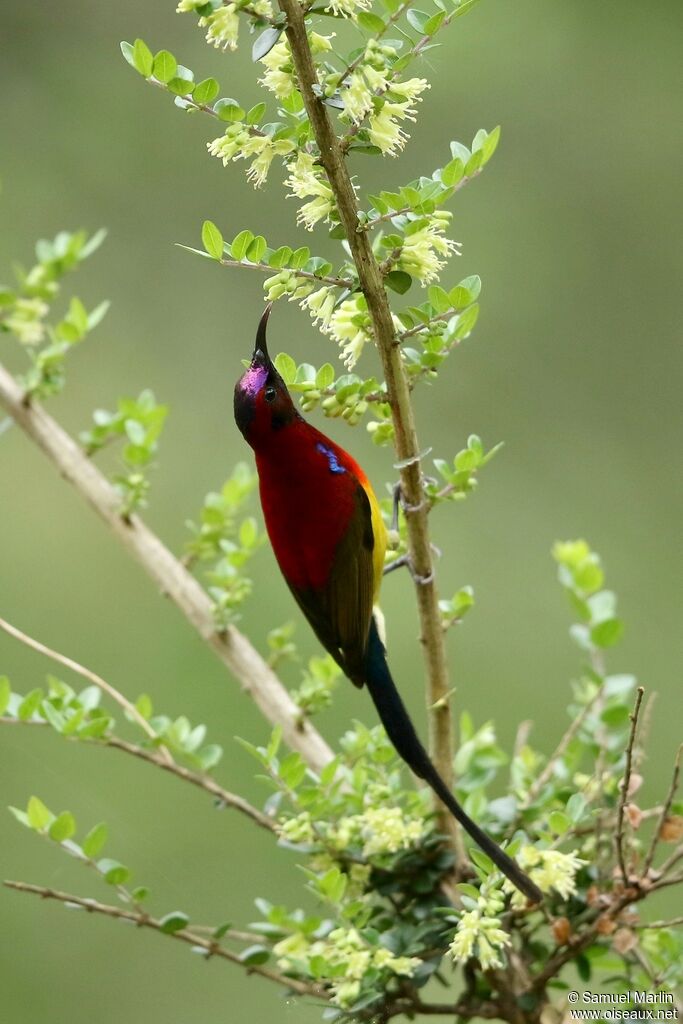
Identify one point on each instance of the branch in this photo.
(406, 442)
(172, 578)
(336, 282)
(205, 782)
(186, 935)
(619, 837)
(664, 814)
(92, 677)
(566, 739)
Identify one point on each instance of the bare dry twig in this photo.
(623, 797)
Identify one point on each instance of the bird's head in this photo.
(262, 402)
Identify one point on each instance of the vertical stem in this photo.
(406, 442)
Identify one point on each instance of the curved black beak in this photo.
(260, 355)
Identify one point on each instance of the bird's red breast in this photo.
(307, 485)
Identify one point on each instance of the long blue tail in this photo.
(401, 732)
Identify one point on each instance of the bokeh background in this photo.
(575, 363)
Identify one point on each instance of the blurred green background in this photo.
(575, 364)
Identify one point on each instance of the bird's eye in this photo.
(270, 394)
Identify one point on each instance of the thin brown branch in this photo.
(212, 947)
(623, 797)
(170, 576)
(650, 856)
(673, 922)
(92, 677)
(670, 862)
(336, 282)
(565, 740)
(406, 441)
(205, 782)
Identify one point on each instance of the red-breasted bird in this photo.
(329, 538)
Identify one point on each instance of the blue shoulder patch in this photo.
(332, 459)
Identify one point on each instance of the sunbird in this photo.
(326, 529)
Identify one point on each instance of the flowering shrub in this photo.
(392, 904)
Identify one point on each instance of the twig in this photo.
(406, 441)
(336, 282)
(205, 782)
(398, 13)
(670, 862)
(673, 922)
(623, 797)
(172, 578)
(566, 739)
(664, 815)
(92, 677)
(186, 935)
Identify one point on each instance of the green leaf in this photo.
(434, 23)
(255, 114)
(607, 633)
(240, 244)
(95, 840)
(417, 19)
(371, 22)
(127, 51)
(257, 249)
(324, 378)
(229, 109)
(30, 704)
(165, 66)
(286, 367)
(173, 922)
(180, 86)
(206, 91)
(559, 822)
(255, 954)
(142, 58)
(212, 239)
(21, 816)
(264, 43)
(5, 694)
(39, 817)
(63, 827)
(399, 281)
(113, 872)
(464, 7)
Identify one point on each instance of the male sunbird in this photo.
(329, 538)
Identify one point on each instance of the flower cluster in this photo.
(348, 8)
(369, 79)
(350, 957)
(26, 320)
(351, 327)
(384, 130)
(305, 181)
(223, 26)
(479, 935)
(382, 830)
(549, 869)
(279, 74)
(425, 248)
(240, 143)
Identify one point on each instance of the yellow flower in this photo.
(279, 74)
(481, 936)
(223, 27)
(348, 8)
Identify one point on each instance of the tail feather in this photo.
(401, 732)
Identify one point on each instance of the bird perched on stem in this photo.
(329, 538)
